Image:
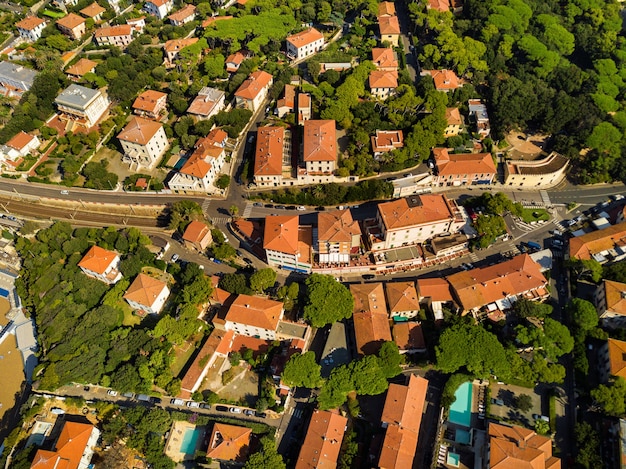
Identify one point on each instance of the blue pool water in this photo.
(4, 293)
(190, 440)
(453, 459)
(462, 436)
(461, 409)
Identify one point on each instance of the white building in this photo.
(254, 317)
(119, 36)
(15, 79)
(287, 244)
(147, 295)
(101, 264)
(82, 105)
(319, 147)
(253, 91)
(144, 142)
(17, 148)
(304, 43)
(30, 28)
(158, 8)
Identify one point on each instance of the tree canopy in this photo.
(303, 371)
(327, 300)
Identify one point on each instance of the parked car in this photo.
(540, 417)
(321, 208)
(257, 204)
(128, 395)
(235, 410)
(290, 207)
(301, 208)
(177, 402)
(205, 406)
(557, 242)
(497, 401)
(368, 276)
(175, 257)
(156, 400)
(269, 205)
(65, 192)
(111, 392)
(533, 245)
(249, 412)
(221, 408)
(193, 404)
(247, 261)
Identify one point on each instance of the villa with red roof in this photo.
(338, 237)
(158, 8)
(385, 141)
(383, 84)
(401, 419)
(514, 447)
(610, 301)
(173, 47)
(319, 149)
(73, 448)
(229, 443)
(234, 61)
(287, 244)
(119, 36)
(151, 104)
(80, 69)
(101, 264)
(402, 300)
(253, 91)
(17, 148)
(455, 122)
(72, 25)
(137, 24)
(30, 28)
(445, 80)
(413, 220)
(93, 11)
(322, 442)
(385, 59)
(304, 43)
(197, 235)
(207, 103)
(185, 15)
(254, 316)
(144, 142)
(147, 295)
(272, 159)
(368, 297)
(389, 28)
(203, 166)
(461, 169)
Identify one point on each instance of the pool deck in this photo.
(175, 440)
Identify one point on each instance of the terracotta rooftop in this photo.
(144, 290)
(387, 140)
(206, 102)
(384, 57)
(304, 38)
(615, 293)
(388, 25)
(158, 3)
(479, 287)
(81, 67)
(585, 246)
(289, 97)
(445, 80)
(92, 10)
(235, 59)
(336, 226)
(69, 448)
(416, 210)
(463, 163)
(229, 442)
(439, 5)
(371, 331)
(617, 357)
(281, 233)
(139, 130)
(320, 140)
(97, 259)
(184, 13)
(383, 79)
(20, 140)
(195, 231)
(268, 159)
(71, 21)
(368, 297)
(256, 82)
(513, 447)
(255, 311)
(322, 442)
(386, 9)
(29, 23)
(401, 296)
(408, 335)
(453, 116)
(114, 31)
(174, 45)
(398, 448)
(218, 342)
(148, 100)
(437, 289)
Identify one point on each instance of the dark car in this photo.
(280, 207)
(320, 208)
(257, 204)
(155, 400)
(291, 207)
(368, 276)
(221, 408)
(247, 261)
(269, 205)
(262, 415)
(249, 412)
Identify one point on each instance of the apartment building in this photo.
(158, 8)
(319, 147)
(304, 44)
(144, 142)
(72, 26)
(287, 244)
(462, 169)
(322, 441)
(30, 28)
(338, 237)
(82, 105)
(15, 79)
(272, 159)
(119, 36)
(252, 92)
(254, 316)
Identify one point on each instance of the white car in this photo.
(301, 208)
(111, 392)
(65, 192)
(235, 410)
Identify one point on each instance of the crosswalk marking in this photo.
(221, 220)
(545, 198)
(205, 205)
(248, 209)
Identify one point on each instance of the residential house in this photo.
(435, 293)
(304, 43)
(115, 6)
(185, 15)
(72, 25)
(385, 141)
(385, 59)
(30, 28)
(383, 84)
(478, 115)
(455, 122)
(610, 301)
(254, 316)
(73, 449)
(144, 142)
(229, 443)
(402, 300)
(386, 9)
(287, 245)
(197, 236)
(445, 80)
(173, 47)
(137, 24)
(287, 103)
(81, 105)
(77, 71)
(401, 419)
(203, 166)
(513, 447)
(389, 28)
(536, 174)
(322, 441)
(101, 264)
(15, 79)
(413, 220)
(151, 104)
(462, 169)
(303, 108)
(272, 158)
(93, 11)
(119, 36)
(319, 147)
(371, 331)
(612, 359)
(338, 237)
(409, 337)
(439, 5)
(208, 103)
(368, 297)
(604, 245)
(158, 8)
(17, 148)
(497, 287)
(147, 295)
(252, 92)
(234, 61)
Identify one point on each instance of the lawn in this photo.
(535, 214)
(53, 14)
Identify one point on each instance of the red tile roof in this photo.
(371, 330)
(445, 80)
(174, 45)
(234, 61)
(182, 14)
(437, 289)
(386, 9)
(256, 82)
(93, 10)
(195, 232)
(229, 442)
(401, 296)
(218, 342)
(463, 163)
(430, 208)
(268, 159)
(205, 150)
(383, 79)
(453, 116)
(148, 100)
(139, 130)
(69, 448)
(388, 25)
(255, 311)
(615, 293)
(281, 233)
(29, 23)
(409, 335)
(617, 357)
(114, 31)
(387, 140)
(585, 246)
(322, 441)
(384, 57)
(368, 297)
(305, 38)
(513, 447)
(320, 140)
(81, 67)
(97, 259)
(71, 21)
(336, 226)
(144, 290)
(20, 140)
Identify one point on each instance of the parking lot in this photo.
(506, 395)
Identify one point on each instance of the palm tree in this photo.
(234, 210)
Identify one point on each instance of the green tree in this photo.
(235, 283)
(266, 457)
(587, 446)
(523, 402)
(302, 371)
(327, 300)
(611, 398)
(223, 251)
(583, 313)
(542, 427)
(262, 279)
(524, 308)
(223, 181)
(182, 213)
(389, 359)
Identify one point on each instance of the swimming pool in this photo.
(190, 440)
(453, 459)
(461, 408)
(4, 293)
(462, 436)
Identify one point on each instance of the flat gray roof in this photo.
(16, 72)
(76, 96)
